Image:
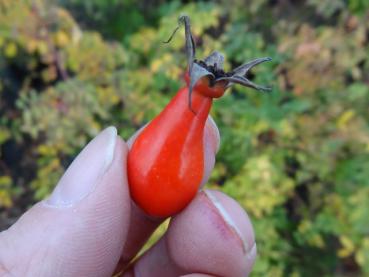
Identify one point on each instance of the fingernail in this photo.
(252, 254)
(213, 133)
(88, 167)
(211, 147)
(237, 223)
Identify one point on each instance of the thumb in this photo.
(81, 228)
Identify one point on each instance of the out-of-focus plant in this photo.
(114, 18)
(57, 89)
(302, 159)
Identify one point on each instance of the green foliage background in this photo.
(296, 159)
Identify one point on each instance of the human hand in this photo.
(90, 227)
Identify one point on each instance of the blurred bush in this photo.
(297, 159)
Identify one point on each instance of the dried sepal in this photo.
(215, 59)
(243, 81)
(196, 74)
(243, 69)
(190, 42)
(212, 66)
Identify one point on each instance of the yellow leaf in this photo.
(344, 119)
(317, 241)
(42, 48)
(10, 50)
(31, 45)
(155, 65)
(46, 150)
(61, 39)
(360, 257)
(348, 247)
(5, 200)
(5, 180)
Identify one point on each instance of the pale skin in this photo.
(90, 227)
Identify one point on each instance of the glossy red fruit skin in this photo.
(166, 161)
